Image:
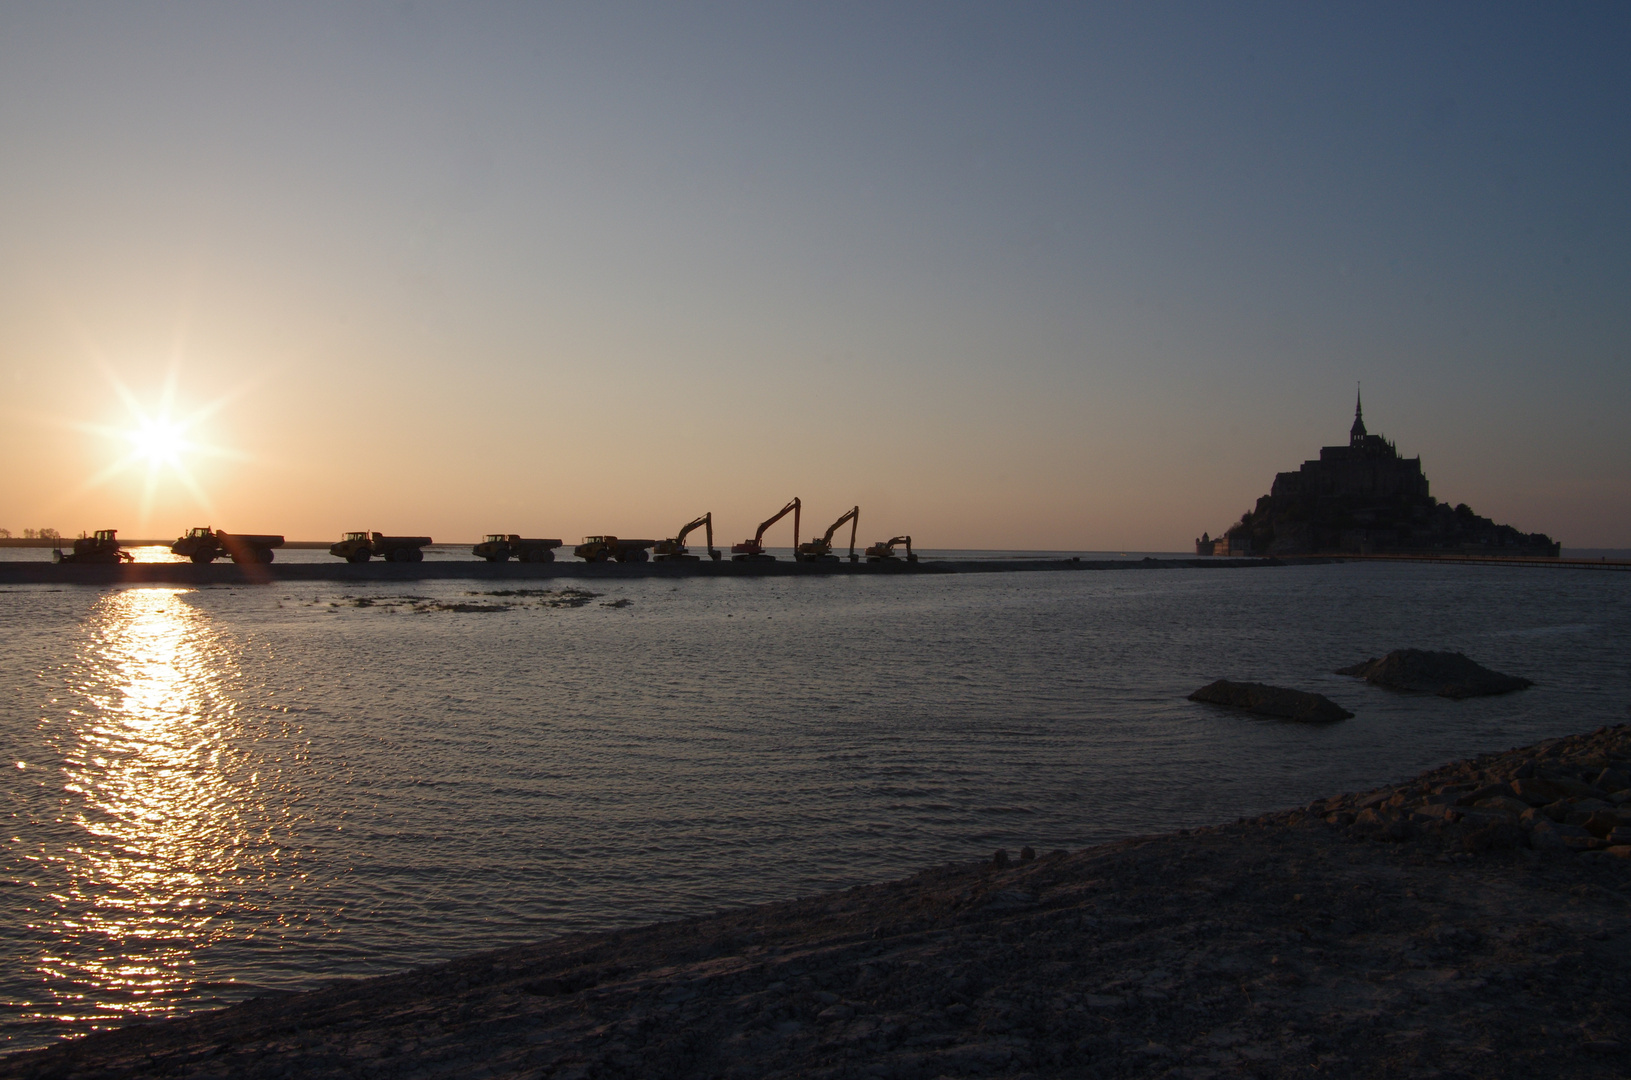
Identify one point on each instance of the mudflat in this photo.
(1460, 924)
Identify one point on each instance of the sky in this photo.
(1025, 275)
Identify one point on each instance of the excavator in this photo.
(754, 550)
(821, 550)
(674, 550)
(884, 550)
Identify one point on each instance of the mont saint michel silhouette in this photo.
(1363, 498)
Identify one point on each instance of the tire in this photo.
(201, 559)
(545, 555)
(266, 555)
(357, 557)
(416, 555)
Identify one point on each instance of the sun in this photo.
(159, 442)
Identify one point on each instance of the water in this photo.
(212, 793)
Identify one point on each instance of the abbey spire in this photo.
(1356, 434)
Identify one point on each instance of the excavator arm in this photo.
(705, 521)
(793, 508)
(754, 549)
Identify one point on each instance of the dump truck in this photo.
(499, 547)
(884, 550)
(674, 549)
(205, 545)
(359, 547)
(821, 550)
(754, 550)
(608, 548)
(100, 547)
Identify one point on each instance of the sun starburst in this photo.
(159, 441)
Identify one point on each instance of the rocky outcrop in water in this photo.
(1275, 701)
(1447, 674)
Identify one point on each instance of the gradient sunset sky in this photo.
(1043, 276)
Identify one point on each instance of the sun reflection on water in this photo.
(163, 806)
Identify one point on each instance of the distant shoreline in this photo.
(40, 573)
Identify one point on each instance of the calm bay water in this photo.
(212, 793)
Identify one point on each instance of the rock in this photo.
(1550, 836)
(1271, 701)
(1503, 802)
(1027, 854)
(1611, 780)
(1493, 837)
(1488, 791)
(1000, 859)
(1446, 674)
(1600, 824)
(1538, 792)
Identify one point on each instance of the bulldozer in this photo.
(608, 548)
(501, 547)
(205, 545)
(821, 550)
(102, 547)
(754, 550)
(359, 547)
(674, 549)
(884, 550)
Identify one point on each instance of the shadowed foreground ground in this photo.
(1457, 925)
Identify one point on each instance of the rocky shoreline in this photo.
(1475, 921)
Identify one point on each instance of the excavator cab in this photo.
(820, 550)
(754, 550)
(674, 549)
(884, 550)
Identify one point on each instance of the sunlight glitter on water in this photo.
(160, 812)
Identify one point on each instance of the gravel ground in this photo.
(1473, 922)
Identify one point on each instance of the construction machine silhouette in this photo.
(205, 545)
(821, 550)
(608, 548)
(754, 550)
(884, 550)
(674, 549)
(101, 547)
(501, 547)
(359, 547)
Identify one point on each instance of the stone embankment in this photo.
(1473, 922)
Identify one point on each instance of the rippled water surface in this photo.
(211, 793)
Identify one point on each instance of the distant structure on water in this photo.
(1364, 498)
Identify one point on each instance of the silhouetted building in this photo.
(1364, 498)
